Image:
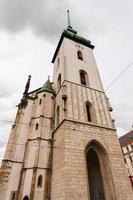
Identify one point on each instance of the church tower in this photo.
(63, 144)
(87, 161)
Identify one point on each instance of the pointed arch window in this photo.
(58, 115)
(89, 111)
(59, 82)
(39, 181)
(79, 54)
(83, 77)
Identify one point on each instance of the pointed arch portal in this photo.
(94, 176)
(100, 180)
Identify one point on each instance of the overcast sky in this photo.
(29, 33)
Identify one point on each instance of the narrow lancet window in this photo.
(59, 82)
(88, 111)
(40, 101)
(58, 63)
(80, 56)
(37, 126)
(58, 115)
(39, 182)
(13, 195)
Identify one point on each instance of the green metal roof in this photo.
(47, 87)
(71, 34)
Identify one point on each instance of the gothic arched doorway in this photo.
(99, 174)
(26, 198)
(94, 176)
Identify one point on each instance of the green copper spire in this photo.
(47, 87)
(68, 18)
(69, 27)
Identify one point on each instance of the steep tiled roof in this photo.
(126, 139)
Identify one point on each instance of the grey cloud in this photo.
(47, 17)
(6, 90)
(44, 17)
(2, 144)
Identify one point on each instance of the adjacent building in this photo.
(126, 142)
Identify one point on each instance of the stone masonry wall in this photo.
(69, 175)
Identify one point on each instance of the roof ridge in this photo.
(126, 134)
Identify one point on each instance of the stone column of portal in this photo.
(36, 161)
